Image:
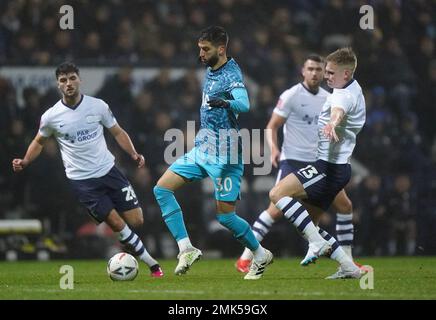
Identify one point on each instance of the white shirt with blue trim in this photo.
(79, 133)
(301, 109)
(351, 100)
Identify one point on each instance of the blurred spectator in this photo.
(424, 103)
(25, 48)
(162, 87)
(62, 49)
(378, 139)
(125, 49)
(32, 108)
(116, 92)
(16, 144)
(92, 50)
(48, 174)
(46, 31)
(400, 209)
(394, 65)
(373, 217)
(147, 32)
(408, 154)
(8, 106)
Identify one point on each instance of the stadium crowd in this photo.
(394, 205)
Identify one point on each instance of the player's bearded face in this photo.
(212, 60)
(313, 73)
(69, 84)
(208, 53)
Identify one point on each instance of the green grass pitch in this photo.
(210, 279)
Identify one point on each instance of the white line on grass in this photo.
(234, 293)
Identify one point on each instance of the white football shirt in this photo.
(79, 133)
(301, 109)
(351, 99)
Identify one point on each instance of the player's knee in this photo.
(275, 195)
(115, 222)
(223, 219)
(156, 191)
(345, 206)
(134, 218)
(160, 192)
(138, 221)
(166, 200)
(274, 212)
(349, 206)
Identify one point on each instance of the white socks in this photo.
(299, 217)
(184, 244)
(128, 237)
(260, 229)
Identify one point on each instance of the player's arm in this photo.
(336, 116)
(272, 128)
(239, 104)
(126, 144)
(33, 151)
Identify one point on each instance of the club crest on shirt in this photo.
(93, 118)
(70, 137)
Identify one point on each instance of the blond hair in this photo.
(344, 57)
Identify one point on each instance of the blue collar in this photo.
(310, 91)
(348, 83)
(75, 106)
(221, 67)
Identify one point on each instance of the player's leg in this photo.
(226, 215)
(134, 217)
(315, 214)
(130, 239)
(171, 211)
(264, 222)
(227, 184)
(239, 227)
(347, 266)
(322, 182)
(104, 197)
(124, 204)
(344, 221)
(266, 218)
(180, 172)
(260, 228)
(285, 196)
(173, 217)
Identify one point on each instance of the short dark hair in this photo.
(344, 57)
(216, 35)
(314, 57)
(65, 68)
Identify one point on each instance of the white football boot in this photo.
(347, 271)
(186, 259)
(257, 268)
(316, 250)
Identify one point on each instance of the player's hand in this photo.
(139, 159)
(218, 103)
(330, 133)
(19, 164)
(275, 157)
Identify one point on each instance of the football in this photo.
(122, 267)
